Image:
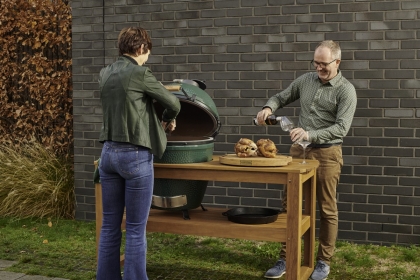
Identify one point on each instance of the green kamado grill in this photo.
(191, 142)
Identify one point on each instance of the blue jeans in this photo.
(126, 173)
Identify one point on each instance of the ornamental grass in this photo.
(35, 183)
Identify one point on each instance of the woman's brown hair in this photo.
(130, 40)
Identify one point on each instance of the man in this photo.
(328, 102)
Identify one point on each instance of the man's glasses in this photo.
(315, 64)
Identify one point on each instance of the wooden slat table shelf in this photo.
(290, 227)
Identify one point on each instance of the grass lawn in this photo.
(64, 248)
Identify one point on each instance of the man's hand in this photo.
(298, 134)
(262, 115)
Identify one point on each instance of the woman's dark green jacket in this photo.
(127, 93)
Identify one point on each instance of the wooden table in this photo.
(298, 223)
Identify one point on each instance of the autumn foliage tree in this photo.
(35, 73)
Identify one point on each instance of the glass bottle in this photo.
(270, 120)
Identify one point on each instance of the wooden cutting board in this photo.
(233, 159)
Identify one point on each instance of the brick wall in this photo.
(247, 50)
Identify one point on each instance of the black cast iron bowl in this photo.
(251, 215)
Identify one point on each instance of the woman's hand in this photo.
(169, 127)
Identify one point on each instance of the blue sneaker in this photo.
(321, 271)
(277, 270)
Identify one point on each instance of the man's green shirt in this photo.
(327, 110)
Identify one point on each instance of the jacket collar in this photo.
(130, 59)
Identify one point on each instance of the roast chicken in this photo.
(263, 148)
(266, 148)
(246, 148)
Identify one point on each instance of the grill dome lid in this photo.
(198, 116)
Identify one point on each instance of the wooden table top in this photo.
(293, 167)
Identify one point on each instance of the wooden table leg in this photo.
(309, 192)
(294, 217)
(98, 210)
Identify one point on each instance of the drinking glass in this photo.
(286, 123)
(304, 144)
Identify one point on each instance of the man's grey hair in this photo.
(333, 46)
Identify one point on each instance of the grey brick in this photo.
(367, 227)
(295, 9)
(410, 123)
(368, 113)
(252, 20)
(187, 15)
(353, 179)
(239, 30)
(239, 49)
(353, 216)
(175, 24)
(242, 12)
(281, 19)
(402, 152)
(396, 209)
(384, 103)
(400, 15)
(383, 161)
(389, 237)
(399, 93)
(366, 170)
(415, 201)
(382, 218)
(400, 35)
(330, 8)
(321, 27)
(369, 16)
(339, 17)
(296, 28)
(200, 58)
(199, 5)
(226, 58)
(267, 48)
(239, 66)
(369, 36)
(240, 192)
(410, 181)
(227, 4)
(351, 235)
(409, 238)
(263, 11)
(385, 25)
(384, 6)
(413, 84)
(368, 190)
(383, 180)
(340, 36)
(226, 22)
(399, 74)
(344, 206)
(396, 132)
(369, 74)
(397, 228)
(354, 26)
(226, 200)
(309, 19)
(213, 13)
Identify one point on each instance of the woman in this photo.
(132, 134)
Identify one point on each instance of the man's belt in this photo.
(313, 145)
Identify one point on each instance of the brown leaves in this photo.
(35, 73)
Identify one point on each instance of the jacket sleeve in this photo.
(158, 92)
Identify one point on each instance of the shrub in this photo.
(35, 73)
(35, 182)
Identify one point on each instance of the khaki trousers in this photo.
(328, 174)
